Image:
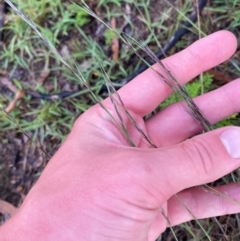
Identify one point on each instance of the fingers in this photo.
(199, 160)
(174, 124)
(146, 91)
(203, 203)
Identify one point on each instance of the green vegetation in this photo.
(194, 89)
(29, 66)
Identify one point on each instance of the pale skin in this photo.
(97, 187)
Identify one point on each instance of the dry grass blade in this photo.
(184, 205)
(120, 126)
(221, 228)
(215, 192)
(115, 104)
(112, 92)
(169, 224)
(179, 89)
(199, 37)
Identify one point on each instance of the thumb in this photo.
(196, 161)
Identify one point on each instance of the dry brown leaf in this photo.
(5, 81)
(3, 72)
(115, 49)
(115, 42)
(44, 74)
(7, 208)
(13, 103)
(220, 76)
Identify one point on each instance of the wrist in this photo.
(31, 222)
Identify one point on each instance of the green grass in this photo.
(25, 51)
(82, 40)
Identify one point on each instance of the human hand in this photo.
(97, 187)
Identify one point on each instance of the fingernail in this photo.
(231, 140)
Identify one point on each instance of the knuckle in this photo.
(200, 155)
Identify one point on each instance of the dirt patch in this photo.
(21, 163)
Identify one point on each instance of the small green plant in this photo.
(227, 122)
(109, 36)
(81, 17)
(194, 89)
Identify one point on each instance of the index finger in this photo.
(143, 94)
